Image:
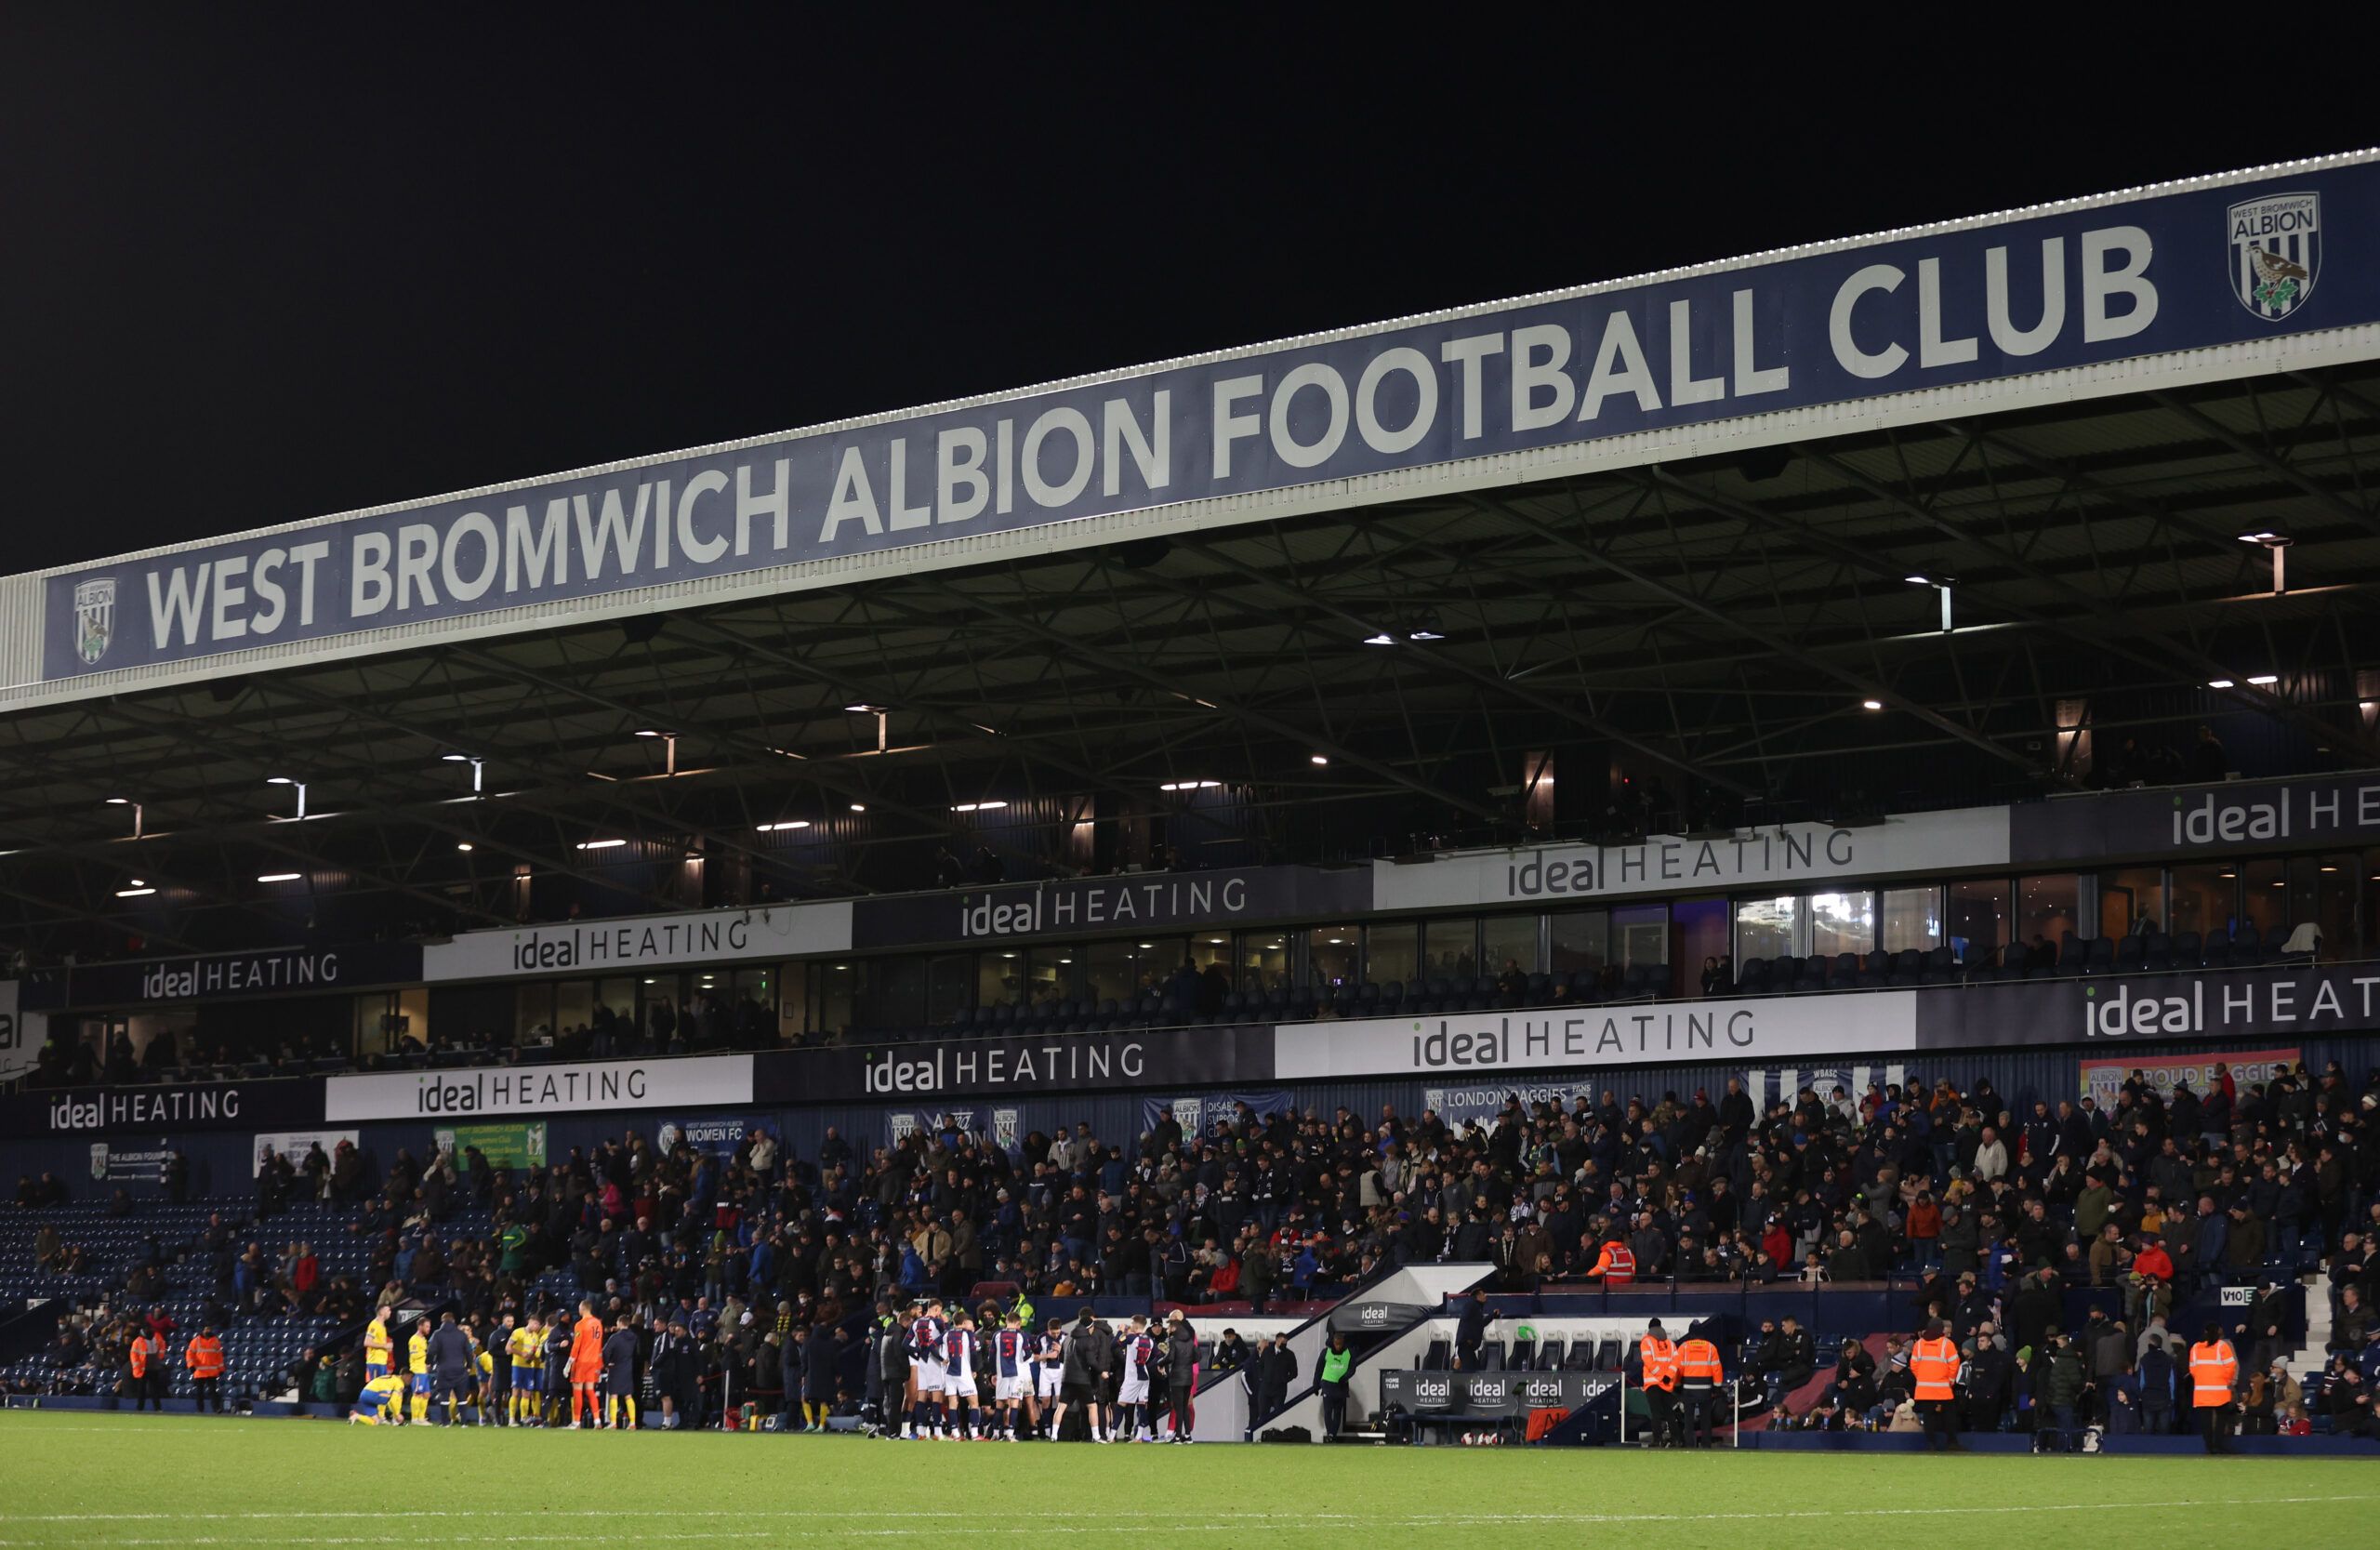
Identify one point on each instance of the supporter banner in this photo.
(1003, 1122)
(290, 1102)
(296, 1144)
(1765, 1029)
(1138, 901)
(718, 1136)
(514, 1146)
(2343, 810)
(1421, 1393)
(237, 976)
(1781, 1084)
(2233, 1003)
(21, 1035)
(986, 1068)
(144, 1162)
(2103, 1079)
(1199, 1114)
(1484, 1100)
(1789, 854)
(684, 1082)
(1529, 382)
(644, 941)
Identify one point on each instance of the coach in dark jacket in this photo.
(1276, 1372)
(450, 1367)
(1181, 1371)
(820, 1348)
(676, 1376)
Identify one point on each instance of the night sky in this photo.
(263, 265)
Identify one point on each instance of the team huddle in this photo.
(1112, 1380)
(526, 1373)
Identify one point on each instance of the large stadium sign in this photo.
(1490, 395)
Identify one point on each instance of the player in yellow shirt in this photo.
(528, 1347)
(377, 1348)
(417, 1362)
(382, 1400)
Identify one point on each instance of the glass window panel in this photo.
(574, 1005)
(1263, 961)
(1581, 939)
(2048, 906)
(1703, 942)
(2204, 898)
(1911, 918)
(1977, 916)
(1640, 933)
(894, 998)
(1509, 940)
(2263, 895)
(1842, 923)
(836, 986)
(1331, 953)
(793, 996)
(2322, 890)
(949, 981)
(534, 1012)
(2132, 900)
(618, 998)
(1450, 948)
(1391, 952)
(1213, 947)
(1767, 928)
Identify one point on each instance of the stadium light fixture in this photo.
(2261, 679)
(2277, 545)
(128, 802)
(474, 761)
(1190, 784)
(668, 748)
(464, 845)
(1317, 759)
(859, 807)
(600, 845)
(286, 780)
(2218, 683)
(279, 877)
(789, 823)
(138, 889)
(1423, 635)
(1871, 704)
(1941, 584)
(1383, 639)
(977, 806)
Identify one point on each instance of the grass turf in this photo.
(83, 1480)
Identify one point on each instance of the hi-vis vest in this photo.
(1935, 1364)
(1660, 1363)
(1698, 1363)
(2212, 1370)
(205, 1357)
(1618, 1265)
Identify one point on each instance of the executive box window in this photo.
(1450, 948)
(2264, 897)
(1640, 933)
(1392, 953)
(2130, 901)
(1509, 939)
(1263, 961)
(1910, 919)
(2323, 889)
(2048, 906)
(1580, 939)
(1842, 923)
(1977, 915)
(2203, 898)
(1333, 955)
(1768, 928)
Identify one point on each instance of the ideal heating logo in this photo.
(2283, 816)
(2125, 1013)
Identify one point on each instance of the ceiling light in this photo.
(134, 892)
(2218, 683)
(859, 807)
(139, 883)
(1872, 704)
(2264, 678)
(1317, 759)
(1383, 639)
(279, 780)
(463, 845)
(2258, 537)
(600, 845)
(865, 709)
(2227, 875)
(119, 802)
(651, 731)
(279, 877)
(1425, 635)
(454, 757)
(1190, 784)
(792, 823)
(2330, 869)
(1917, 580)
(1214, 941)
(979, 807)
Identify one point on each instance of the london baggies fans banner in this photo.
(2102, 1080)
(1460, 399)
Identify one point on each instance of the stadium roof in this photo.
(1358, 660)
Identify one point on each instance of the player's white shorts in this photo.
(1135, 1391)
(1007, 1388)
(1049, 1381)
(930, 1377)
(957, 1384)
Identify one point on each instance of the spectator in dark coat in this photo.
(820, 1350)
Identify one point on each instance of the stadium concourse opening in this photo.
(1776, 856)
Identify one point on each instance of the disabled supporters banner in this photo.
(2102, 1080)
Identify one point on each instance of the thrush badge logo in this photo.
(94, 619)
(99, 1160)
(2276, 246)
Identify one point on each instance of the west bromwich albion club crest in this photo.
(94, 619)
(2276, 252)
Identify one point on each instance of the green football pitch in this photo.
(84, 1479)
